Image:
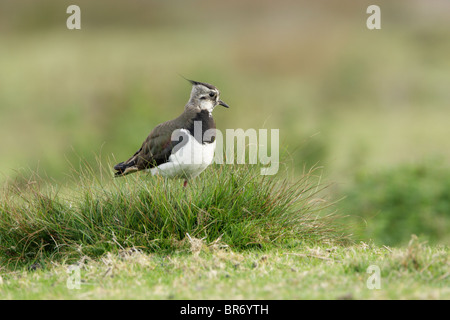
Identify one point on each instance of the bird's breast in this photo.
(187, 161)
(192, 151)
(202, 127)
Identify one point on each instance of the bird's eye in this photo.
(212, 94)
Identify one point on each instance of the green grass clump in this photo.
(404, 200)
(231, 204)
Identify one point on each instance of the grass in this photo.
(232, 234)
(391, 204)
(231, 204)
(417, 271)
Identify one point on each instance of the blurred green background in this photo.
(371, 106)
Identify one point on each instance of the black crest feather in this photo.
(193, 82)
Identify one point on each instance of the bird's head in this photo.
(205, 96)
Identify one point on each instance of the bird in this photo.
(183, 147)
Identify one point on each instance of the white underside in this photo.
(187, 162)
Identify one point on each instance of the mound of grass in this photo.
(231, 204)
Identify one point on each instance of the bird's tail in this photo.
(126, 167)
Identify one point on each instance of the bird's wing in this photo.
(158, 146)
(155, 150)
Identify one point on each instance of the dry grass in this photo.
(212, 272)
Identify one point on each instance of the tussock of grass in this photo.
(231, 204)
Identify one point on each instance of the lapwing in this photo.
(182, 147)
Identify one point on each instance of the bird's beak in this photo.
(223, 104)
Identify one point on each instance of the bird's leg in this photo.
(185, 183)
